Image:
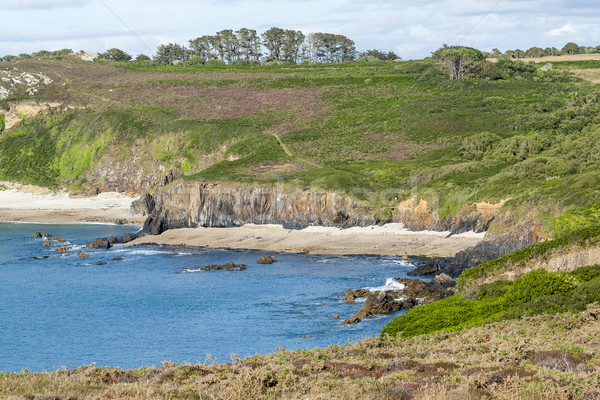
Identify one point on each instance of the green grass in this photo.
(539, 251)
(536, 292)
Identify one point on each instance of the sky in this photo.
(411, 28)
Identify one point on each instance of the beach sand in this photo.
(390, 239)
(28, 203)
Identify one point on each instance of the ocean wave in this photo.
(390, 284)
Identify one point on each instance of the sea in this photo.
(141, 305)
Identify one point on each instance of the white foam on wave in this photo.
(402, 263)
(192, 270)
(141, 252)
(390, 284)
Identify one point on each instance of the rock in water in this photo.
(101, 243)
(352, 295)
(40, 234)
(378, 303)
(83, 254)
(63, 250)
(228, 266)
(265, 260)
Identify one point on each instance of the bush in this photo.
(197, 60)
(537, 283)
(476, 146)
(536, 292)
(215, 62)
(449, 314)
(586, 274)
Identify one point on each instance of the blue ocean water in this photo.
(147, 308)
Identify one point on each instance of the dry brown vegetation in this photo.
(544, 357)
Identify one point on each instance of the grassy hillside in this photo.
(401, 128)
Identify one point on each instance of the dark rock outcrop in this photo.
(125, 238)
(351, 296)
(522, 236)
(377, 303)
(415, 292)
(40, 234)
(101, 243)
(228, 266)
(265, 260)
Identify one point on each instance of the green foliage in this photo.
(27, 154)
(478, 145)
(458, 61)
(587, 273)
(116, 55)
(537, 283)
(539, 251)
(536, 292)
(2, 122)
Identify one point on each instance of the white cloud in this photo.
(568, 28)
(41, 4)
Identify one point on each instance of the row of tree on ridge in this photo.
(246, 46)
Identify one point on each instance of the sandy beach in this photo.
(390, 239)
(28, 203)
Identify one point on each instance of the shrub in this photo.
(215, 62)
(476, 146)
(537, 283)
(197, 60)
(587, 273)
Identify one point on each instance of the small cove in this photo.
(147, 308)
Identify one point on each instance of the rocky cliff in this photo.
(195, 204)
(221, 205)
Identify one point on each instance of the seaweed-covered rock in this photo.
(228, 266)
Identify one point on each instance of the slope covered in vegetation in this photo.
(378, 131)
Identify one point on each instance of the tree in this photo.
(346, 48)
(273, 40)
(168, 53)
(117, 55)
(229, 45)
(249, 45)
(518, 53)
(378, 54)
(142, 57)
(570, 48)
(292, 40)
(535, 52)
(458, 61)
(201, 47)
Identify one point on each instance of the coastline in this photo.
(386, 240)
(28, 203)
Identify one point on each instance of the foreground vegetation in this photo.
(541, 357)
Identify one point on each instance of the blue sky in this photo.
(412, 29)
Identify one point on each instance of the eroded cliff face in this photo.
(221, 205)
